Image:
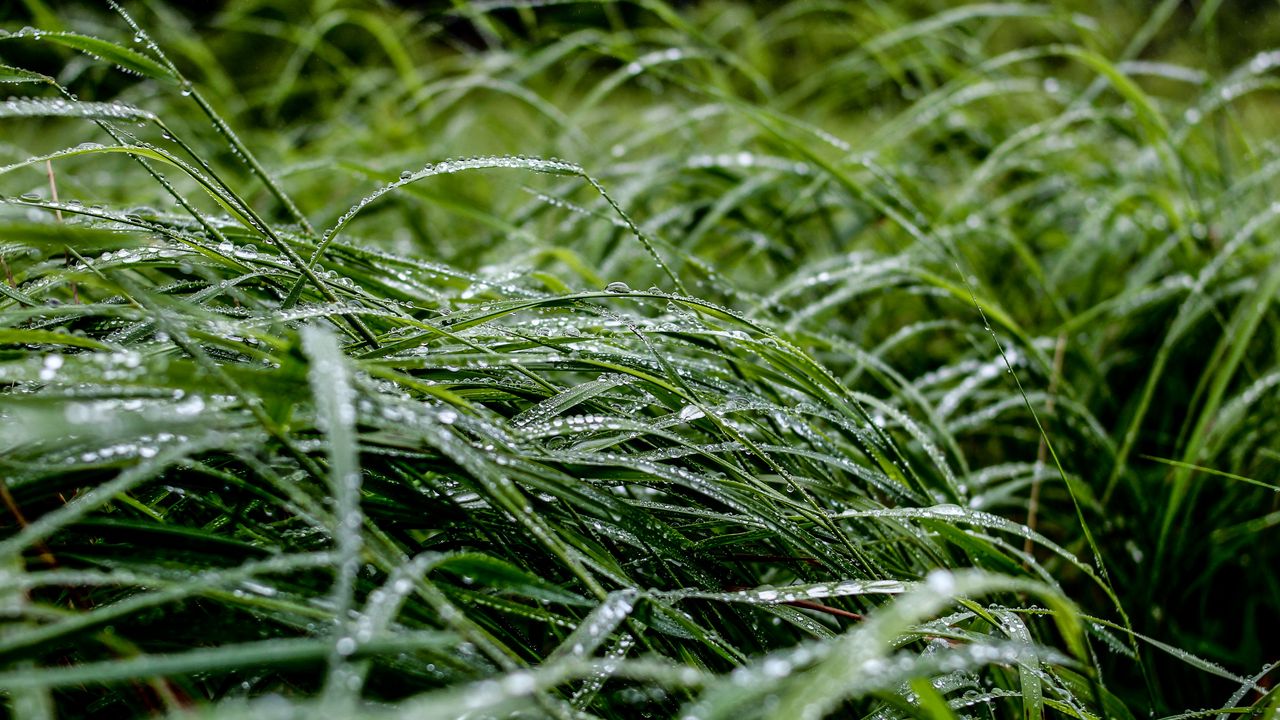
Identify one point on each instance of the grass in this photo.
(595, 359)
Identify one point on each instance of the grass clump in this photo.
(624, 360)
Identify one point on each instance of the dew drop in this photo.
(948, 509)
(691, 412)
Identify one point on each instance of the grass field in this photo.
(640, 359)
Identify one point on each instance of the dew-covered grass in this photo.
(632, 359)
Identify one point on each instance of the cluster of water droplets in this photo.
(553, 166)
(769, 595)
(745, 159)
(657, 57)
(62, 107)
(25, 32)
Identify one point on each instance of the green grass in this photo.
(592, 359)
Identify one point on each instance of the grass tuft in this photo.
(633, 359)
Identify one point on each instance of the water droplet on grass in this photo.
(617, 287)
(691, 412)
(948, 509)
